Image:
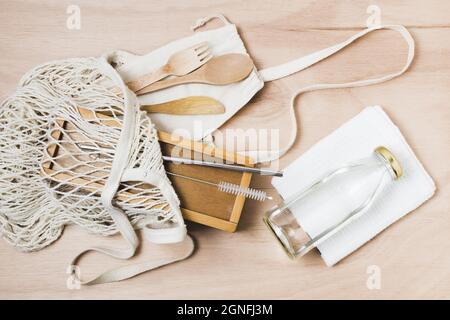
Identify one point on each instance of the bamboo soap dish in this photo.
(202, 203)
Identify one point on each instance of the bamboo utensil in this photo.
(179, 64)
(195, 105)
(221, 70)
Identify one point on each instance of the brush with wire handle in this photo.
(231, 188)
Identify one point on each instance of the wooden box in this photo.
(203, 203)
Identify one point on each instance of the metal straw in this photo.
(233, 167)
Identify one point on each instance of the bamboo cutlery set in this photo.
(193, 65)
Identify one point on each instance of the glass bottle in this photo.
(311, 216)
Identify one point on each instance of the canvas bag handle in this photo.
(118, 174)
(302, 63)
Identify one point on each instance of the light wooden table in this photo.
(413, 254)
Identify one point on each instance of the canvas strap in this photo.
(302, 63)
(118, 174)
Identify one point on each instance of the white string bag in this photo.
(124, 160)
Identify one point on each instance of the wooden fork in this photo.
(179, 64)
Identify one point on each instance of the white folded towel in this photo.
(354, 140)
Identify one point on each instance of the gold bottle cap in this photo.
(395, 165)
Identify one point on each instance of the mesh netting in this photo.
(58, 134)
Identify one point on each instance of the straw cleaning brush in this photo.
(231, 188)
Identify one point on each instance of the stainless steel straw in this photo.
(233, 167)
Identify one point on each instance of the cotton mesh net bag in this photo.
(76, 149)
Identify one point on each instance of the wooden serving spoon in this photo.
(187, 106)
(221, 70)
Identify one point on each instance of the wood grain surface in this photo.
(413, 254)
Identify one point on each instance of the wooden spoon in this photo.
(221, 70)
(187, 106)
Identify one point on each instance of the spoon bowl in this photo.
(221, 70)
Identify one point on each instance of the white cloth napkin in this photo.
(354, 140)
(233, 96)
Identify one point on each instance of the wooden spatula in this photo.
(221, 70)
(195, 105)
